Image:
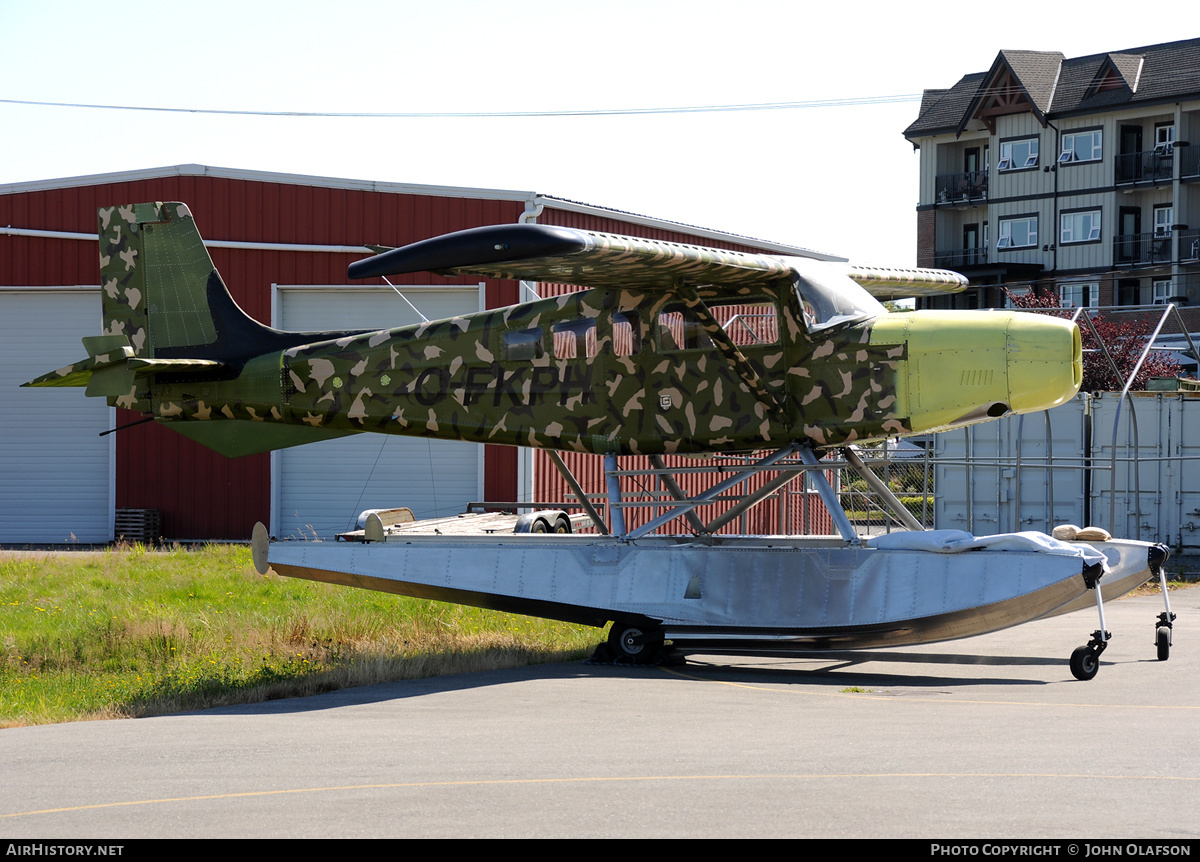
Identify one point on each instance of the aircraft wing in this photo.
(570, 256)
(897, 283)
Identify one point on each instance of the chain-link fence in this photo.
(906, 469)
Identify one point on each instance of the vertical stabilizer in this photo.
(154, 271)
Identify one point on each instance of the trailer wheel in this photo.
(540, 526)
(562, 524)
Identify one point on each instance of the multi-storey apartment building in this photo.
(1079, 176)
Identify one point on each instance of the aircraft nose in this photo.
(1045, 362)
(963, 366)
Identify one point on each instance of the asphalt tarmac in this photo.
(989, 737)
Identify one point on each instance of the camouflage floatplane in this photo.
(670, 349)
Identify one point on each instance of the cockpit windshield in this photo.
(829, 298)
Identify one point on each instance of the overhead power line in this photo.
(424, 115)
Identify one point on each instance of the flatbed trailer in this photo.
(381, 525)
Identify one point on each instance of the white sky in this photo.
(836, 179)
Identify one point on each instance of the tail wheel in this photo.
(1162, 640)
(1085, 662)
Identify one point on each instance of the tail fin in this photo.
(167, 316)
(161, 290)
(154, 273)
(165, 309)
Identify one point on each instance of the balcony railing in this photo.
(1141, 249)
(957, 258)
(1153, 166)
(1189, 161)
(961, 188)
(1189, 246)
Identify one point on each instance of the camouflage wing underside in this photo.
(576, 257)
(898, 283)
(588, 259)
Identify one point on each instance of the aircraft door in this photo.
(700, 383)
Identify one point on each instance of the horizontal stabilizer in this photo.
(569, 256)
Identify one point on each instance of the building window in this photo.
(1020, 232)
(1079, 227)
(1015, 293)
(1164, 139)
(1129, 291)
(1016, 155)
(1164, 216)
(1162, 291)
(1084, 295)
(1082, 147)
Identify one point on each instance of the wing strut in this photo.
(880, 487)
(569, 477)
(677, 493)
(726, 347)
(706, 496)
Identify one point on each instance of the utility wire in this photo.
(426, 115)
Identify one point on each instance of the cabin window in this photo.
(748, 322)
(627, 333)
(680, 329)
(575, 339)
(523, 344)
(829, 299)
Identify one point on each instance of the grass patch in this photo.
(134, 632)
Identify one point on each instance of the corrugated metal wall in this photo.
(793, 510)
(993, 477)
(201, 494)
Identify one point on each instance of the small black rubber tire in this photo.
(621, 639)
(562, 525)
(540, 526)
(1084, 663)
(1162, 639)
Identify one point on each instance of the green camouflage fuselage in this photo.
(682, 368)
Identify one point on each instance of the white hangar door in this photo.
(55, 470)
(319, 489)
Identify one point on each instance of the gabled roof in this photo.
(1049, 86)
(1126, 67)
(1018, 81)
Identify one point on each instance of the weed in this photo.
(135, 631)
